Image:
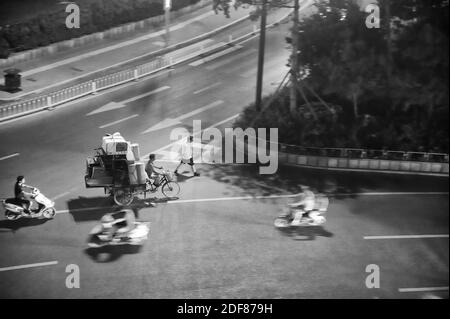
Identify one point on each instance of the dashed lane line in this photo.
(422, 289)
(49, 263)
(119, 121)
(407, 236)
(9, 156)
(207, 88)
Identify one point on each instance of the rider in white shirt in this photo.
(308, 202)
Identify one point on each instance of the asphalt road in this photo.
(218, 239)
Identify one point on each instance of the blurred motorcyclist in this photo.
(21, 193)
(112, 224)
(305, 205)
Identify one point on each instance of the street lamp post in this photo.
(167, 7)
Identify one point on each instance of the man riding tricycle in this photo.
(117, 167)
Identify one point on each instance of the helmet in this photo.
(107, 219)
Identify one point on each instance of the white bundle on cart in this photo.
(115, 144)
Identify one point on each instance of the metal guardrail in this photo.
(357, 153)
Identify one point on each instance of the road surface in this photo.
(217, 240)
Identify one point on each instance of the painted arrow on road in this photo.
(175, 121)
(117, 105)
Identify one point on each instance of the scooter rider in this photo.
(21, 194)
(307, 202)
(112, 225)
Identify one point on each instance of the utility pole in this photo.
(262, 43)
(294, 60)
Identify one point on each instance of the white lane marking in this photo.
(9, 156)
(407, 236)
(116, 105)
(421, 289)
(76, 210)
(217, 199)
(119, 121)
(207, 87)
(389, 193)
(60, 195)
(199, 200)
(49, 263)
(231, 59)
(171, 122)
(159, 43)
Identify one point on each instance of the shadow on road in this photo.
(286, 180)
(111, 253)
(15, 225)
(89, 208)
(183, 178)
(93, 208)
(306, 233)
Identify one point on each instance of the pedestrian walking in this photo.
(187, 156)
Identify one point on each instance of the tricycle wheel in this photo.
(123, 197)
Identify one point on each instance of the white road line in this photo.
(29, 266)
(119, 121)
(60, 195)
(216, 199)
(423, 289)
(390, 193)
(407, 236)
(117, 105)
(207, 88)
(231, 59)
(202, 200)
(9, 156)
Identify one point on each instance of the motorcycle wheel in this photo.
(49, 213)
(11, 216)
(170, 189)
(281, 222)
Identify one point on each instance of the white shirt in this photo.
(186, 151)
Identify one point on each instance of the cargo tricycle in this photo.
(118, 169)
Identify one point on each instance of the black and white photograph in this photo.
(240, 152)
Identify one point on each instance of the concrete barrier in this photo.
(355, 164)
